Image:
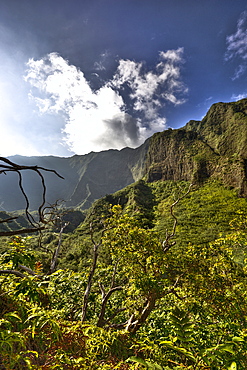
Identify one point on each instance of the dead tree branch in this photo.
(101, 321)
(8, 166)
(27, 269)
(166, 243)
(57, 250)
(92, 271)
(20, 274)
(106, 296)
(21, 231)
(13, 272)
(8, 220)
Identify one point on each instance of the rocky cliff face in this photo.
(214, 147)
(170, 156)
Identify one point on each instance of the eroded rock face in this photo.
(168, 156)
(215, 146)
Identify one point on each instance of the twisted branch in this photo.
(9, 166)
(166, 243)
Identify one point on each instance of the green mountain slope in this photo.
(202, 215)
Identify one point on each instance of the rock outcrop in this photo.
(214, 147)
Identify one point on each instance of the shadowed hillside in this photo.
(86, 177)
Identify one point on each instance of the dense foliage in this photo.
(126, 293)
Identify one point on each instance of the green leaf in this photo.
(237, 339)
(147, 364)
(137, 359)
(221, 347)
(182, 350)
(31, 317)
(233, 366)
(154, 366)
(185, 321)
(226, 348)
(12, 314)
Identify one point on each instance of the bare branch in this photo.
(8, 220)
(114, 274)
(173, 288)
(13, 167)
(101, 322)
(29, 271)
(92, 271)
(90, 280)
(9, 166)
(102, 289)
(166, 243)
(57, 250)
(13, 272)
(149, 305)
(21, 231)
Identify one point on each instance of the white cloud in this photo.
(237, 45)
(150, 90)
(239, 96)
(123, 112)
(239, 71)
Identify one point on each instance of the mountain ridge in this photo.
(214, 147)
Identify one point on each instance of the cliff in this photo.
(214, 147)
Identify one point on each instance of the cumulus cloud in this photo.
(150, 89)
(122, 112)
(237, 46)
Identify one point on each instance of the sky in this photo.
(88, 75)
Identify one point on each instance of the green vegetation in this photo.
(153, 276)
(127, 293)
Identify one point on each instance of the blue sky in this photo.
(79, 76)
